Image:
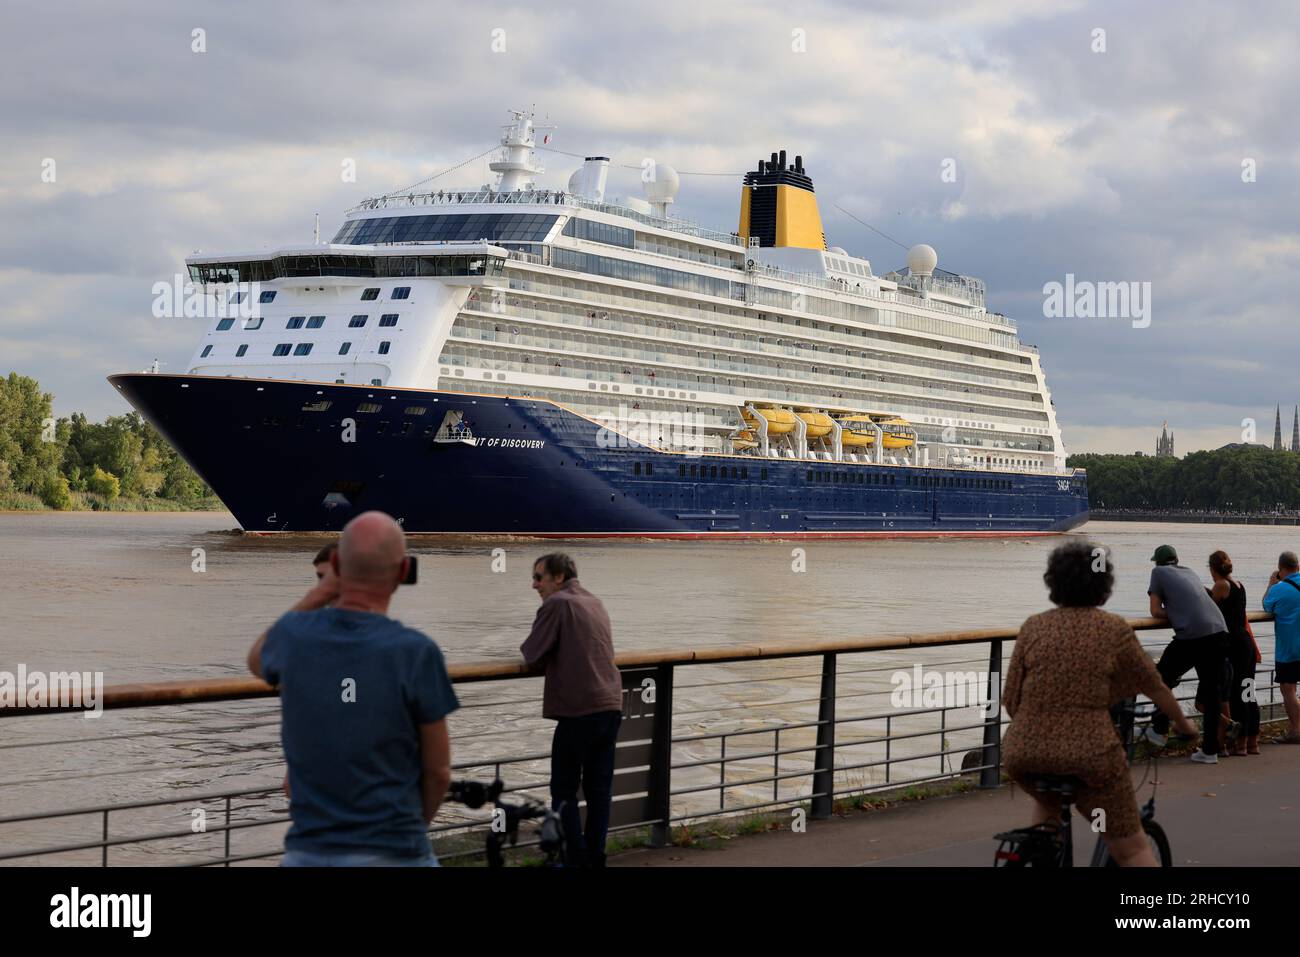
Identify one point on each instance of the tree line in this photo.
(1238, 479)
(67, 462)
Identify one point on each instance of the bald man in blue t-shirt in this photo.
(363, 703)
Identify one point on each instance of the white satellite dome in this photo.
(921, 260)
(838, 250)
(663, 188)
(576, 180)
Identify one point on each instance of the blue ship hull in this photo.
(290, 456)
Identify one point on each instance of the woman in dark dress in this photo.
(1069, 666)
(1230, 595)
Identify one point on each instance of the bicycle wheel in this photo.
(1159, 846)
(1159, 843)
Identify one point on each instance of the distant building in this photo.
(1165, 444)
(1295, 430)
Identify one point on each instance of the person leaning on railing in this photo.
(1282, 599)
(572, 642)
(1069, 666)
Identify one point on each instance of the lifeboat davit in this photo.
(779, 421)
(818, 423)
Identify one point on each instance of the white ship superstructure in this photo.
(623, 313)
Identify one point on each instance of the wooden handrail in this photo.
(230, 689)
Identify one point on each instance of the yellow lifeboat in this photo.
(898, 433)
(818, 423)
(743, 441)
(779, 421)
(857, 431)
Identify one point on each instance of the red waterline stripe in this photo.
(694, 536)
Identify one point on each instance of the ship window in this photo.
(649, 468)
(315, 322)
(225, 324)
(343, 349)
(295, 322)
(254, 323)
(302, 349)
(762, 475)
(320, 405)
(384, 347)
(860, 478)
(207, 350)
(370, 294)
(495, 227)
(713, 471)
(369, 407)
(733, 471)
(891, 480)
(744, 473)
(283, 349)
(267, 297)
(809, 477)
(237, 297)
(636, 468)
(694, 469)
(241, 350)
(357, 322)
(681, 471)
(388, 319)
(415, 410)
(401, 292)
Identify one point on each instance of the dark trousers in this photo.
(1207, 656)
(582, 755)
(1241, 652)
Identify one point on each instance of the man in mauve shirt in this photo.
(571, 640)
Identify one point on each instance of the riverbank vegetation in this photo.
(1235, 479)
(120, 464)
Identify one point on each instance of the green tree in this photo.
(54, 493)
(29, 441)
(104, 483)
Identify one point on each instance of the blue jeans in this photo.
(353, 859)
(582, 754)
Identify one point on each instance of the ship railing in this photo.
(953, 391)
(789, 728)
(571, 320)
(680, 311)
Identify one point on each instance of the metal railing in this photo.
(723, 731)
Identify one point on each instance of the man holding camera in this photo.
(363, 703)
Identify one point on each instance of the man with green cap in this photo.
(1200, 642)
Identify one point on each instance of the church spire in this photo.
(1295, 430)
(1277, 430)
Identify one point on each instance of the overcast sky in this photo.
(1122, 165)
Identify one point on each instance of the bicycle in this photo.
(505, 830)
(1052, 845)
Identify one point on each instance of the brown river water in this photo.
(117, 593)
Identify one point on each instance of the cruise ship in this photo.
(516, 360)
